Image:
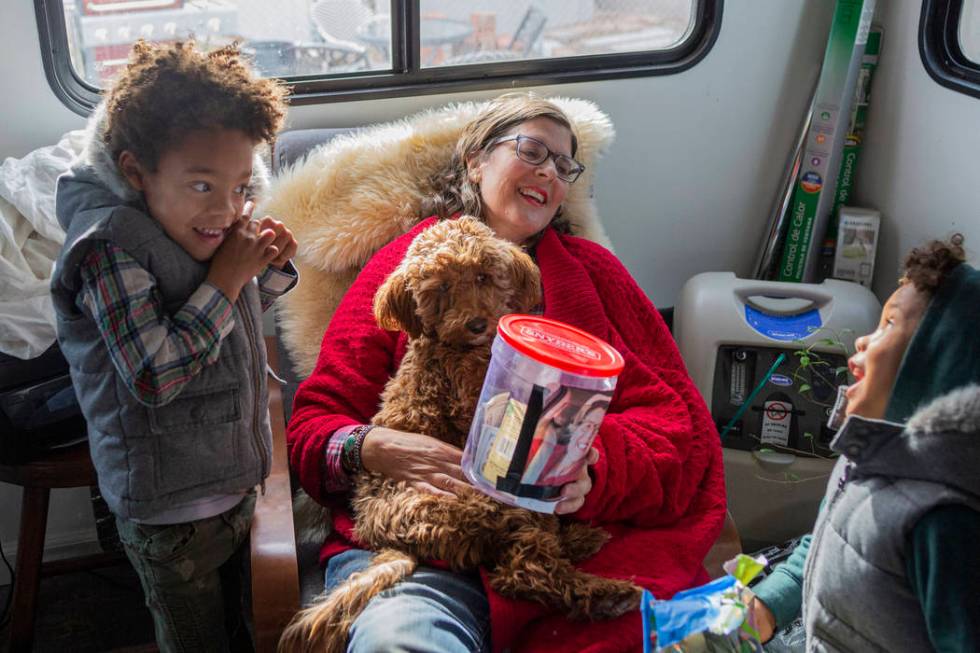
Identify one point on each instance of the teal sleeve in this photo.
(944, 571)
(782, 590)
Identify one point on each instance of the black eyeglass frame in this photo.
(549, 155)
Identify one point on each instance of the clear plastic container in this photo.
(544, 396)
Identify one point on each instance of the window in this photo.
(353, 49)
(949, 43)
(969, 32)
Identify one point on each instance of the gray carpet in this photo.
(89, 612)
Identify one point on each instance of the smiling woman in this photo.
(663, 511)
(520, 198)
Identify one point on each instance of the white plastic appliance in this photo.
(730, 332)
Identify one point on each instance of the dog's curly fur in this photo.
(456, 281)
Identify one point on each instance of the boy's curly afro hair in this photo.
(166, 91)
(928, 266)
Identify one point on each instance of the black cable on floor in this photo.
(5, 615)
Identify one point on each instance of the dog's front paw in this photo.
(608, 598)
(580, 541)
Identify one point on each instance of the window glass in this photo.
(482, 31)
(285, 37)
(969, 30)
(336, 50)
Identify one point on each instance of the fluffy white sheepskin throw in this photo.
(354, 194)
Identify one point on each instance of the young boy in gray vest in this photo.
(159, 293)
(892, 562)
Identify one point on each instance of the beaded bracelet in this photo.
(350, 457)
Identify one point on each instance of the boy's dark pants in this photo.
(194, 577)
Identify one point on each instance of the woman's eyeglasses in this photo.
(535, 152)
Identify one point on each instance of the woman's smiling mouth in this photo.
(536, 196)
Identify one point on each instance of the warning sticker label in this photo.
(775, 422)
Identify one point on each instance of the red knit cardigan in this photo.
(658, 487)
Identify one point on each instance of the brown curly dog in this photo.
(456, 281)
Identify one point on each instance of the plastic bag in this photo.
(711, 618)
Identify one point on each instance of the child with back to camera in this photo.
(159, 292)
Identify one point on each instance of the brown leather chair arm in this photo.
(727, 546)
(275, 577)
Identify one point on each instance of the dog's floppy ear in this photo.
(527, 282)
(394, 306)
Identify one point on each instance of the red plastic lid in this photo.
(560, 345)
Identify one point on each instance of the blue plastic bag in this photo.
(711, 618)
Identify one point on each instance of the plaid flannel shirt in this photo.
(335, 477)
(155, 353)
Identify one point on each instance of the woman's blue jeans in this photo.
(430, 611)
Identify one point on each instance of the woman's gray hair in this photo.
(455, 192)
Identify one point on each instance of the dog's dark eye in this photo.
(481, 278)
(444, 286)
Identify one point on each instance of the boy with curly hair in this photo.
(159, 293)
(892, 564)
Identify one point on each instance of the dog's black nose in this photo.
(477, 325)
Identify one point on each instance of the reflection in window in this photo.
(481, 31)
(285, 37)
(969, 30)
(333, 50)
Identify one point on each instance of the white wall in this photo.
(688, 184)
(920, 164)
(32, 116)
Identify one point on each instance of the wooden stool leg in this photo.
(30, 550)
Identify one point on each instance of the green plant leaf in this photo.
(840, 370)
(808, 435)
(805, 388)
(750, 631)
(805, 359)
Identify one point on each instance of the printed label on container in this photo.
(498, 458)
(575, 348)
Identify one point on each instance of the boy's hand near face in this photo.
(284, 241)
(247, 249)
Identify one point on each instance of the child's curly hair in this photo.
(928, 266)
(166, 91)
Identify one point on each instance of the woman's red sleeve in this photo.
(660, 455)
(356, 358)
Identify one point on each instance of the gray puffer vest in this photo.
(856, 595)
(214, 437)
